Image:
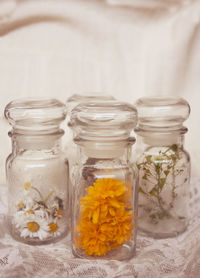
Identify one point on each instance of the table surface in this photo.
(173, 257)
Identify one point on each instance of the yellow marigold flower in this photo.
(105, 217)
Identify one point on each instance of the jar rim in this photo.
(126, 141)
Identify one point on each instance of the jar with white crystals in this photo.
(163, 165)
(104, 183)
(37, 171)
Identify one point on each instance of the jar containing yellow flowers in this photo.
(104, 184)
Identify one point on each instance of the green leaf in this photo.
(153, 192)
(141, 190)
(162, 182)
(174, 148)
(148, 171)
(166, 172)
(148, 158)
(159, 158)
(144, 177)
(157, 168)
(139, 166)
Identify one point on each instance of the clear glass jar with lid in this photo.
(164, 166)
(104, 194)
(37, 171)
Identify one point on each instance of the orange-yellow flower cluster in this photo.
(105, 217)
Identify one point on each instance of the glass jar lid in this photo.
(165, 113)
(103, 121)
(35, 114)
(76, 99)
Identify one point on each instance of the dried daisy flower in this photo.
(35, 227)
(38, 216)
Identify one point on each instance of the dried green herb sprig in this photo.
(155, 171)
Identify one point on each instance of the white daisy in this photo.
(18, 219)
(25, 204)
(35, 227)
(21, 215)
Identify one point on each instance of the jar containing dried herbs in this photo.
(163, 165)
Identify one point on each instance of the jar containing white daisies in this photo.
(37, 171)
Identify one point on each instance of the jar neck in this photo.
(105, 150)
(160, 139)
(21, 142)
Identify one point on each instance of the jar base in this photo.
(35, 242)
(15, 234)
(122, 253)
(161, 235)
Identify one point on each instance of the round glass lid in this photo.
(162, 111)
(35, 113)
(103, 119)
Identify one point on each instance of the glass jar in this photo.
(104, 192)
(37, 171)
(164, 166)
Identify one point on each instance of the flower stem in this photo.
(52, 191)
(42, 198)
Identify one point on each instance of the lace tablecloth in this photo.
(174, 257)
